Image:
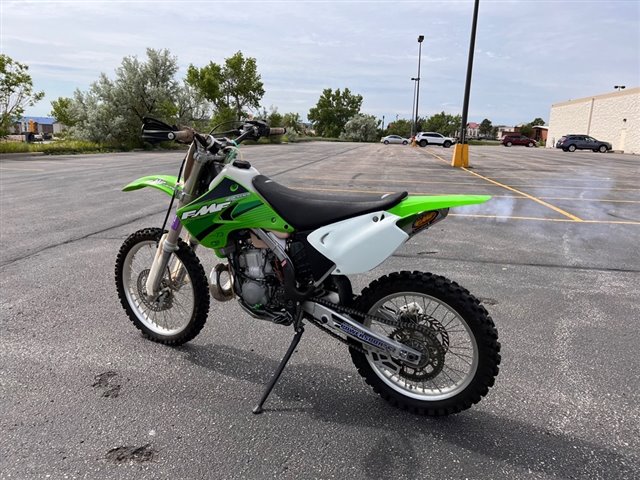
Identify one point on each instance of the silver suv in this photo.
(432, 138)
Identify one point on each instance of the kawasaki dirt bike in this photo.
(422, 342)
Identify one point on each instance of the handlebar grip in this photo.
(183, 136)
(277, 131)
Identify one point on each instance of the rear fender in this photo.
(166, 183)
(419, 212)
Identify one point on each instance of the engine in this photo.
(258, 281)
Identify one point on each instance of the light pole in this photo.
(413, 106)
(415, 118)
(461, 150)
(383, 124)
(619, 87)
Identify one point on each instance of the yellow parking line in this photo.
(314, 189)
(604, 200)
(372, 180)
(531, 197)
(542, 219)
(575, 187)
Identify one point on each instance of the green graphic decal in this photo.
(228, 206)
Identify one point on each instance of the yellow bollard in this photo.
(460, 156)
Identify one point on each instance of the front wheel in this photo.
(404, 142)
(456, 336)
(446, 144)
(602, 149)
(179, 311)
(386, 142)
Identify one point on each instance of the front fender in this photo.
(166, 183)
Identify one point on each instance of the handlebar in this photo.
(157, 131)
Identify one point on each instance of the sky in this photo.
(528, 55)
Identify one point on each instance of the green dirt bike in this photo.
(421, 341)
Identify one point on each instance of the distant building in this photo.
(505, 130)
(473, 130)
(42, 125)
(540, 134)
(612, 117)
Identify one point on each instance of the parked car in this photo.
(509, 140)
(432, 138)
(571, 143)
(394, 139)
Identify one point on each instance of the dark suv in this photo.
(571, 143)
(509, 140)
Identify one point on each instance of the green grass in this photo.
(56, 148)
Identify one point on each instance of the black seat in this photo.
(307, 211)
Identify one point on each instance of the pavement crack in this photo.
(76, 239)
(333, 155)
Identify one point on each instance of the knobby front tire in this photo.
(182, 312)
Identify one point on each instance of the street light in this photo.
(619, 87)
(461, 149)
(417, 80)
(413, 104)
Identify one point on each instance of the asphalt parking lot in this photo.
(554, 255)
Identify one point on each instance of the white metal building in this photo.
(611, 117)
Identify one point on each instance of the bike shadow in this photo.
(326, 395)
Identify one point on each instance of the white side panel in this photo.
(359, 244)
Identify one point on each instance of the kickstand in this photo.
(294, 343)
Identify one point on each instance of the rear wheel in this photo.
(454, 332)
(423, 143)
(179, 311)
(446, 144)
(571, 148)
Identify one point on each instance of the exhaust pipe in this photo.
(221, 290)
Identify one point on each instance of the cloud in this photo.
(522, 64)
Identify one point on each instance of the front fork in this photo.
(167, 245)
(169, 242)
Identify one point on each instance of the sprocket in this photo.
(420, 338)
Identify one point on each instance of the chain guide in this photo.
(431, 348)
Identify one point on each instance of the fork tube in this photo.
(169, 241)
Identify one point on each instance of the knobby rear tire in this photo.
(471, 312)
(197, 278)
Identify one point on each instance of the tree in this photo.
(112, 110)
(400, 127)
(293, 122)
(236, 85)
(526, 130)
(443, 123)
(361, 128)
(333, 110)
(485, 127)
(16, 92)
(61, 110)
(537, 121)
